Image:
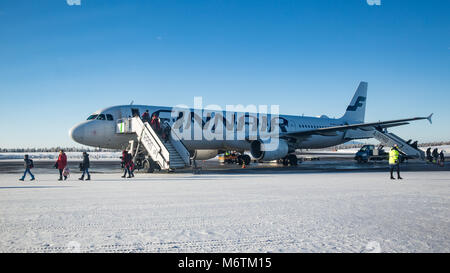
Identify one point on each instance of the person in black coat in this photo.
(85, 167)
(435, 154)
(429, 158)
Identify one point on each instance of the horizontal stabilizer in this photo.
(429, 118)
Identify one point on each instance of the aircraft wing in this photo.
(363, 126)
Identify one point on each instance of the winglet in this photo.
(429, 118)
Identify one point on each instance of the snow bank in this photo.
(54, 156)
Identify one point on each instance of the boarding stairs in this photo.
(389, 139)
(169, 155)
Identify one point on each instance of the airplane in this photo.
(294, 132)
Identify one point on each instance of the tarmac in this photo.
(314, 164)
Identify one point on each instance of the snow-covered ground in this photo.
(446, 149)
(107, 156)
(257, 212)
(70, 156)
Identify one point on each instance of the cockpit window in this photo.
(109, 117)
(101, 117)
(91, 117)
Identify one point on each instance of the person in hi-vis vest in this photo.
(394, 161)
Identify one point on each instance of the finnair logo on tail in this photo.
(358, 103)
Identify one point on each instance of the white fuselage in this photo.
(100, 130)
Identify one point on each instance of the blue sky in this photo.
(59, 63)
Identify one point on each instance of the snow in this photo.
(108, 156)
(446, 149)
(38, 156)
(254, 212)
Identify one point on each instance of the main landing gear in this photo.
(150, 166)
(290, 160)
(244, 159)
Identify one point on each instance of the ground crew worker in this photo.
(394, 161)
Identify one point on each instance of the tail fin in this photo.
(357, 109)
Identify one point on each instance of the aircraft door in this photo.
(164, 115)
(135, 112)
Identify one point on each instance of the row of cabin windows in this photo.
(101, 117)
(110, 117)
(311, 126)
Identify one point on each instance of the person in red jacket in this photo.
(155, 124)
(146, 116)
(61, 163)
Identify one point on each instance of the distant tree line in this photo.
(439, 143)
(54, 150)
(79, 149)
(359, 145)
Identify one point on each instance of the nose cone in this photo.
(77, 133)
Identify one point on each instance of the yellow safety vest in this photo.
(393, 156)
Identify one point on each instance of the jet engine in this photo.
(267, 151)
(203, 154)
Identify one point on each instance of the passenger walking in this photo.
(394, 162)
(60, 164)
(146, 116)
(429, 158)
(122, 158)
(165, 132)
(131, 166)
(85, 167)
(124, 163)
(435, 155)
(155, 124)
(28, 165)
(441, 158)
(127, 161)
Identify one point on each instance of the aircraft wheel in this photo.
(240, 161)
(148, 166)
(246, 159)
(293, 161)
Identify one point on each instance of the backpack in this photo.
(31, 166)
(66, 171)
